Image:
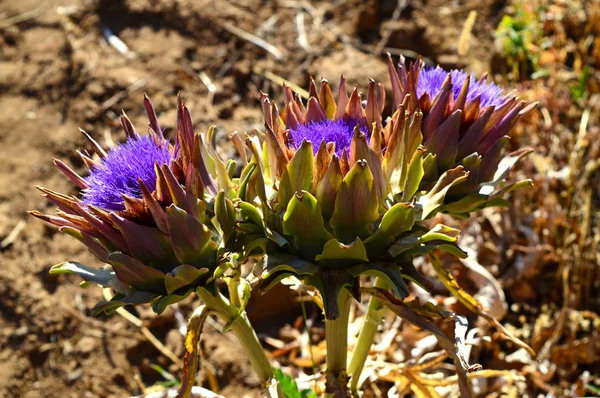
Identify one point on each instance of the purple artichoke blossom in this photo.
(121, 170)
(339, 132)
(156, 213)
(465, 126)
(432, 79)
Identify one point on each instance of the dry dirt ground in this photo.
(58, 72)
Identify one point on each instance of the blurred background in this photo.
(66, 64)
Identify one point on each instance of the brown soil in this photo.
(58, 73)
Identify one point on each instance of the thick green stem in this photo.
(336, 336)
(366, 337)
(243, 330)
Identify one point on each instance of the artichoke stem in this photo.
(233, 284)
(366, 337)
(336, 335)
(243, 330)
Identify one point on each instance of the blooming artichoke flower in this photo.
(320, 190)
(156, 213)
(465, 127)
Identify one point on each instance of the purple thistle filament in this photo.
(337, 131)
(431, 80)
(119, 172)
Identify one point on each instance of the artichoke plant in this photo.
(160, 216)
(332, 190)
(337, 190)
(331, 196)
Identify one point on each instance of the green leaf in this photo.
(356, 204)
(298, 175)
(120, 299)
(511, 187)
(251, 228)
(430, 167)
(230, 166)
(243, 190)
(183, 275)
(304, 222)
(290, 388)
(161, 303)
(102, 277)
(329, 283)
(507, 163)
(400, 218)
(467, 204)
(272, 263)
(593, 389)
(249, 212)
(497, 202)
(440, 234)
(220, 168)
(336, 254)
(389, 272)
(434, 199)
(276, 237)
(273, 268)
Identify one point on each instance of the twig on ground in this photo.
(13, 235)
(197, 392)
(280, 80)
(408, 53)
(302, 38)
(207, 82)
(257, 41)
(36, 12)
(400, 6)
(138, 84)
(212, 90)
(146, 332)
(110, 328)
(465, 34)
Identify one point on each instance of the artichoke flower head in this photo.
(147, 210)
(466, 126)
(333, 195)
